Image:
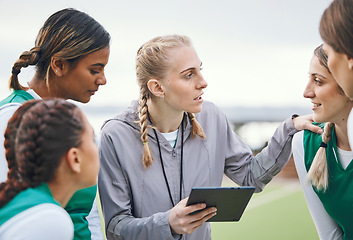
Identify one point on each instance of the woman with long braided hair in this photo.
(51, 153)
(323, 161)
(70, 54)
(171, 140)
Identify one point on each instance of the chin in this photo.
(196, 109)
(318, 119)
(85, 100)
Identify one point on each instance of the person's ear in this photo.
(155, 88)
(59, 66)
(73, 160)
(350, 63)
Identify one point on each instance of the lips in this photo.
(316, 104)
(92, 92)
(199, 97)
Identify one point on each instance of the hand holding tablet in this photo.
(229, 201)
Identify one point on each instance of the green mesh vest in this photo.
(338, 198)
(26, 199)
(81, 202)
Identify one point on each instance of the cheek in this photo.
(331, 63)
(334, 68)
(82, 75)
(96, 159)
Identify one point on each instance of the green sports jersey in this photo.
(338, 198)
(79, 208)
(17, 96)
(26, 199)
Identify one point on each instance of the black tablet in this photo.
(230, 201)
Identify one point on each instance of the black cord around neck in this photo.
(181, 161)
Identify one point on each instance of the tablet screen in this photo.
(229, 201)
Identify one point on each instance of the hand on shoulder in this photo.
(305, 122)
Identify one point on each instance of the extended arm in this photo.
(246, 169)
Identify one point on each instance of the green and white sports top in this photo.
(34, 214)
(338, 198)
(80, 205)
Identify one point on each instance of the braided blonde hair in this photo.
(318, 173)
(152, 61)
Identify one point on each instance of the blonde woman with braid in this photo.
(323, 161)
(171, 140)
(70, 54)
(51, 153)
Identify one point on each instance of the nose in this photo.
(101, 80)
(309, 92)
(202, 83)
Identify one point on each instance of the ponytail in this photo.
(147, 158)
(27, 58)
(318, 173)
(196, 127)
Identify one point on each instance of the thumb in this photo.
(315, 129)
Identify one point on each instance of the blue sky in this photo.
(254, 53)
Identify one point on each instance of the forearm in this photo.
(248, 170)
(128, 227)
(271, 160)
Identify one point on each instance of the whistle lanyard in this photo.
(181, 162)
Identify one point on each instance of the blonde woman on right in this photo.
(323, 161)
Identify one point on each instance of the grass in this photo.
(279, 212)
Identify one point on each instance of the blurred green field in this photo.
(279, 212)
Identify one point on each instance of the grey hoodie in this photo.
(135, 200)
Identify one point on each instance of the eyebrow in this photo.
(192, 68)
(317, 74)
(98, 65)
